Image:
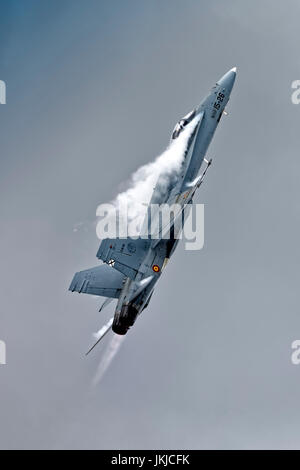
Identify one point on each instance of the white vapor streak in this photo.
(110, 352)
(103, 329)
(165, 167)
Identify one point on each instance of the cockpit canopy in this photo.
(182, 123)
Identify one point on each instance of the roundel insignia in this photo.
(156, 268)
(131, 247)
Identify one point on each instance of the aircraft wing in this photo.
(124, 254)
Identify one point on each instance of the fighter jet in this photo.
(132, 266)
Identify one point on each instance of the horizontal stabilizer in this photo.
(101, 280)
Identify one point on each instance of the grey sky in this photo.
(93, 91)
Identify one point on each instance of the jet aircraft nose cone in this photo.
(228, 79)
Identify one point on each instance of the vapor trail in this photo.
(109, 353)
(164, 169)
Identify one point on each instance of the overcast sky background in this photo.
(94, 89)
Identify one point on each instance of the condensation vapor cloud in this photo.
(164, 168)
(108, 356)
